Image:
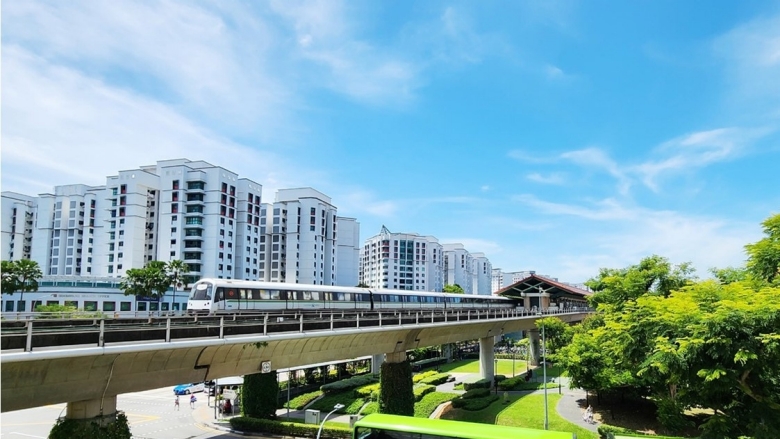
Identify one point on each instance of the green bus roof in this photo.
(456, 429)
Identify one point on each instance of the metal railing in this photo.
(37, 333)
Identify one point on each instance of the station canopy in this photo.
(534, 284)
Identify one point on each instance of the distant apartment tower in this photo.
(483, 271)
(405, 261)
(501, 279)
(16, 226)
(458, 267)
(299, 235)
(348, 252)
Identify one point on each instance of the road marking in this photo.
(27, 435)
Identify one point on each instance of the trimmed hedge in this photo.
(476, 393)
(435, 380)
(611, 432)
(426, 406)
(421, 390)
(301, 401)
(396, 396)
(260, 395)
(484, 383)
(368, 391)
(349, 383)
(421, 376)
(371, 407)
(256, 425)
(66, 428)
(351, 404)
(474, 404)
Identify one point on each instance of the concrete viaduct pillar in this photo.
(376, 363)
(104, 408)
(486, 355)
(534, 346)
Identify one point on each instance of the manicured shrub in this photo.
(500, 378)
(421, 390)
(426, 406)
(368, 391)
(435, 380)
(66, 428)
(371, 407)
(421, 376)
(474, 404)
(301, 401)
(295, 429)
(351, 403)
(260, 395)
(476, 393)
(396, 396)
(481, 384)
(349, 383)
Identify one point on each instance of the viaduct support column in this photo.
(486, 370)
(376, 363)
(396, 396)
(92, 409)
(533, 345)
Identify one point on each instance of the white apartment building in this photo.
(405, 261)
(502, 279)
(16, 225)
(348, 252)
(459, 267)
(202, 214)
(483, 271)
(299, 234)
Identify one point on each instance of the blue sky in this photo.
(552, 136)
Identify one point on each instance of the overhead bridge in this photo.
(86, 363)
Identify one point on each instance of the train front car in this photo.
(201, 300)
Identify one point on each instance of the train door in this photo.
(220, 299)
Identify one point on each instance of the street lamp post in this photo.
(544, 371)
(289, 382)
(335, 407)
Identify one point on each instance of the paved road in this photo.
(151, 415)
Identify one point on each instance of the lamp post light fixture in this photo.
(544, 374)
(335, 408)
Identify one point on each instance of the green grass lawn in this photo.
(472, 366)
(526, 411)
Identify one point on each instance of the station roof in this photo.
(533, 282)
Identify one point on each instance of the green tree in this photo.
(21, 275)
(259, 395)
(730, 274)
(454, 289)
(150, 281)
(176, 270)
(557, 334)
(653, 275)
(764, 255)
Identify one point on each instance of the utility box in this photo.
(312, 416)
(352, 420)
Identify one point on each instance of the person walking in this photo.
(192, 401)
(176, 403)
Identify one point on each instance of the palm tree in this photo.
(176, 270)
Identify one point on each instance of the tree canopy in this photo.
(21, 275)
(454, 289)
(712, 345)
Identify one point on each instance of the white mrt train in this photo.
(230, 296)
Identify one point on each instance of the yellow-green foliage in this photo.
(370, 390)
(421, 376)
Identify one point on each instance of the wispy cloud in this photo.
(595, 157)
(604, 210)
(555, 178)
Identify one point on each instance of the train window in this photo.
(125, 306)
(315, 295)
(306, 295)
(201, 291)
(141, 306)
(276, 295)
(348, 297)
(242, 294)
(52, 302)
(165, 306)
(265, 295)
(90, 305)
(75, 303)
(109, 306)
(154, 306)
(9, 305)
(230, 293)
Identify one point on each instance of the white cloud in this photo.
(596, 158)
(63, 127)
(605, 210)
(555, 178)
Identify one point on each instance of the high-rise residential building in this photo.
(483, 271)
(502, 279)
(458, 267)
(299, 238)
(194, 211)
(405, 261)
(348, 252)
(16, 231)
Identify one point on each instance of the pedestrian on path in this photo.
(176, 403)
(192, 401)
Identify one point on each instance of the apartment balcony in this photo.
(198, 238)
(193, 257)
(194, 213)
(194, 202)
